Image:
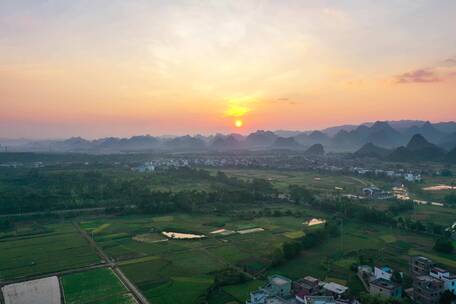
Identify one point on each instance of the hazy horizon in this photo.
(117, 68)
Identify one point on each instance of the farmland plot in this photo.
(59, 248)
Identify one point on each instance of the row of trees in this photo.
(43, 190)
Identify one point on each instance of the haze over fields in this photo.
(122, 68)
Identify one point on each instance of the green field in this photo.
(161, 269)
(95, 286)
(312, 180)
(55, 248)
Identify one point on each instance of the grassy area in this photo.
(95, 286)
(56, 248)
(312, 180)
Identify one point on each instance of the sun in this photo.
(238, 123)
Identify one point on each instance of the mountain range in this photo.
(368, 139)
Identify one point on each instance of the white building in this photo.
(383, 273)
(449, 280)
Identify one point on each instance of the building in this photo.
(376, 193)
(385, 288)
(427, 289)
(420, 265)
(318, 300)
(335, 290)
(412, 177)
(449, 280)
(277, 288)
(383, 273)
(308, 286)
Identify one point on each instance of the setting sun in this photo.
(238, 123)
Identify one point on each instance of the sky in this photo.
(96, 68)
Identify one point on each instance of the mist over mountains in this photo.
(369, 139)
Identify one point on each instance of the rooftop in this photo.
(319, 300)
(279, 280)
(438, 269)
(335, 288)
(384, 283)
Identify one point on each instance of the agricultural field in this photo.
(36, 249)
(161, 266)
(95, 286)
(312, 180)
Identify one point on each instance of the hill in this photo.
(285, 143)
(418, 149)
(371, 150)
(315, 150)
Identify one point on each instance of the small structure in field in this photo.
(314, 222)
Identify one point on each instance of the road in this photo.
(128, 284)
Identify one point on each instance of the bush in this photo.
(443, 245)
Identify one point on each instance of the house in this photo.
(412, 177)
(427, 289)
(449, 280)
(258, 297)
(420, 265)
(308, 286)
(383, 273)
(335, 290)
(385, 288)
(277, 288)
(318, 300)
(376, 193)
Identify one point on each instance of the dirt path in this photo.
(122, 277)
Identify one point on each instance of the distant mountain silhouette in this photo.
(346, 138)
(427, 130)
(448, 142)
(226, 142)
(451, 156)
(186, 142)
(285, 143)
(418, 149)
(315, 150)
(261, 138)
(371, 150)
(314, 137)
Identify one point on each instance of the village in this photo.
(429, 283)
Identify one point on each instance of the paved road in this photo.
(128, 284)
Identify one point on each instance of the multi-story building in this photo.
(449, 280)
(427, 289)
(308, 286)
(420, 265)
(385, 288)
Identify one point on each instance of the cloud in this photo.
(450, 62)
(419, 76)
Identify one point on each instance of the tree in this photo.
(300, 194)
(443, 245)
(291, 249)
